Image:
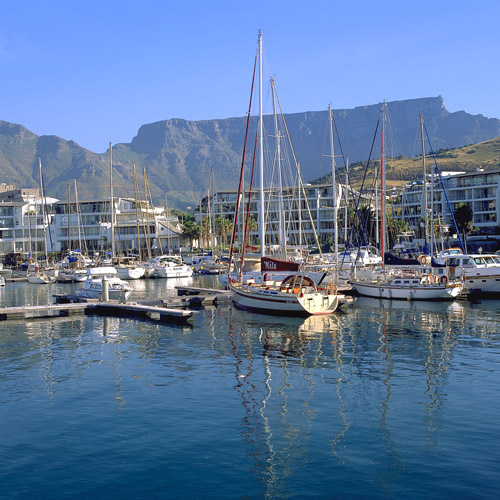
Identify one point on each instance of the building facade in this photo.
(30, 224)
(480, 190)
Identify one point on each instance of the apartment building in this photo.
(479, 189)
(30, 223)
(303, 211)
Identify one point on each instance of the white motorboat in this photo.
(5, 273)
(407, 285)
(480, 272)
(93, 286)
(359, 257)
(167, 266)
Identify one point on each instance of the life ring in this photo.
(443, 280)
(425, 260)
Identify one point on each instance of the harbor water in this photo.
(384, 399)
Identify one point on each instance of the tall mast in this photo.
(212, 211)
(382, 194)
(111, 201)
(42, 195)
(426, 222)
(346, 199)
(137, 214)
(78, 217)
(69, 222)
(281, 220)
(262, 234)
(334, 185)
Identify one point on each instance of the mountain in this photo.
(179, 155)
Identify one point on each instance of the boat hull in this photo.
(182, 271)
(40, 279)
(387, 291)
(130, 273)
(271, 301)
(483, 284)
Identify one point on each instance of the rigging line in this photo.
(235, 224)
(323, 147)
(396, 145)
(249, 204)
(444, 190)
(356, 206)
(45, 200)
(300, 180)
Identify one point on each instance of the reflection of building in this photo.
(298, 213)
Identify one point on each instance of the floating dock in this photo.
(220, 295)
(111, 308)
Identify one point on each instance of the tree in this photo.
(463, 218)
(224, 228)
(394, 228)
(252, 227)
(191, 230)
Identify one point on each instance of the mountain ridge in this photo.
(179, 155)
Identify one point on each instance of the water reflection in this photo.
(277, 389)
(300, 401)
(375, 349)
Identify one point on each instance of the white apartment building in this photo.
(297, 213)
(479, 189)
(88, 226)
(30, 223)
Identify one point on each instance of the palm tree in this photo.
(191, 230)
(252, 227)
(395, 227)
(224, 227)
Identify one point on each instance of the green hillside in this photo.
(401, 170)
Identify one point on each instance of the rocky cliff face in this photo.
(179, 155)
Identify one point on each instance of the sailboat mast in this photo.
(334, 186)
(111, 201)
(44, 201)
(281, 221)
(78, 217)
(382, 194)
(69, 221)
(346, 199)
(139, 251)
(426, 221)
(261, 158)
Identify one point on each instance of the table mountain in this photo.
(179, 155)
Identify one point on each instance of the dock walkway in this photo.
(111, 308)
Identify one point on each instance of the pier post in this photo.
(105, 289)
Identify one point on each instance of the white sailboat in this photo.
(296, 294)
(38, 275)
(401, 283)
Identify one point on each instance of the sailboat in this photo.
(402, 282)
(296, 294)
(35, 274)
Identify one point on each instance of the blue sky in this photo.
(95, 71)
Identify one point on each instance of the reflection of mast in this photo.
(385, 349)
(246, 389)
(339, 437)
